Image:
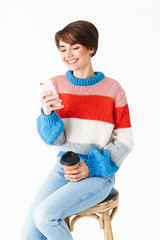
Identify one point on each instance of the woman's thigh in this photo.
(54, 181)
(74, 197)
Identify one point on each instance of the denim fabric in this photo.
(58, 198)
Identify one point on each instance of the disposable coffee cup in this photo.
(70, 161)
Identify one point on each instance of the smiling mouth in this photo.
(72, 61)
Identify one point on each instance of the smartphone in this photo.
(48, 86)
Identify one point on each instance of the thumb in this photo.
(81, 163)
(105, 153)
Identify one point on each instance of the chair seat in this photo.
(112, 194)
(109, 203)
(103, 208)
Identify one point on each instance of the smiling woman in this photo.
(82, 32)
(77, 59)
(78, 42)
(93, 122)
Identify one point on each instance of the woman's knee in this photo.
(39, 216)
(43, 217)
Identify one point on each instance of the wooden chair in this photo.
(103, 209)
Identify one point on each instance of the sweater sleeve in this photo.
(100, 164)
(51, 128)
(120, 144)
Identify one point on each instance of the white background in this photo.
(129, 52)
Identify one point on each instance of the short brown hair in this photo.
(82, 32)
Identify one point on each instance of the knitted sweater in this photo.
(94, 122)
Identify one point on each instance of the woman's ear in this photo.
(92, 51)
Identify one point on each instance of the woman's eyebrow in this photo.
(71, 44)
(75, 43)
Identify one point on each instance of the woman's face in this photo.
(76, 57)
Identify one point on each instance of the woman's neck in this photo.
(84, 73)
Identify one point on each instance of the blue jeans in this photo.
(58, 198)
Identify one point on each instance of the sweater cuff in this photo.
(100, 164)
(93, 167)
(54, 117)
(49, 127)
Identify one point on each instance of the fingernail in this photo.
(60, 100)
(62, 106)
(57, 105)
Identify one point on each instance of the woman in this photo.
(91, 118)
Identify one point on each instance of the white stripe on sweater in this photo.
(87, 131)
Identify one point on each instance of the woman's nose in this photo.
(69, 53)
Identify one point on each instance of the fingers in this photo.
(78, 174)
(53, 103)
(74, 178)
(47, 96)
(48, 110)
(50, 102)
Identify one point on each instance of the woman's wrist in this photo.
(47, 113)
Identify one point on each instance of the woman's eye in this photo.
(63, 50)
(75, 48)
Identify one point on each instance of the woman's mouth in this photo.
(72, 61)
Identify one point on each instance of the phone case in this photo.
(48, 86)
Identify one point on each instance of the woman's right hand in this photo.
(50, 102)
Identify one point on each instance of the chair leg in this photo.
(107, 226)
(114, 210)
(67, 222)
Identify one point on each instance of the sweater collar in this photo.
(99, 76)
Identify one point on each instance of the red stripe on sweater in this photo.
(122, 118)
(93, 107)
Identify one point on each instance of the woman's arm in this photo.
(49, 125)
(108, 162)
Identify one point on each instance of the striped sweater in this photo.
(94, 122)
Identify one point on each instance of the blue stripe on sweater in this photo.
(49, 127)
(99, 164)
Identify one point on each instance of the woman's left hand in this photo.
(78, 174)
